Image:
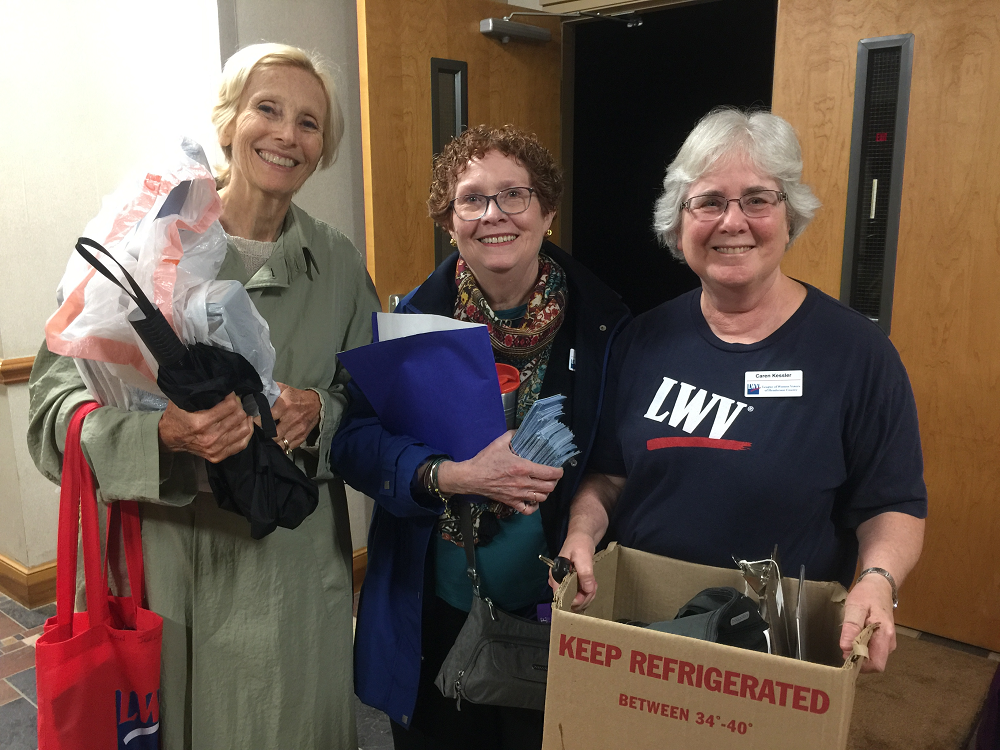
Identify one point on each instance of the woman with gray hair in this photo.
(257, 639)
(755, 410)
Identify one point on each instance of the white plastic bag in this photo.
(163, 228)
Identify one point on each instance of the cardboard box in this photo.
(619, 686)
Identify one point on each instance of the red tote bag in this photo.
(98, 672)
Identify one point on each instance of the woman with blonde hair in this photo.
(257, 634)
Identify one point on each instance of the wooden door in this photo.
(944, 319)
(517, 83)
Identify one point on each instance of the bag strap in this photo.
(132, 531)
(152, 327)
(468, 542)
(77, 502)
(137, 295)
(69, 523)
(123, 521)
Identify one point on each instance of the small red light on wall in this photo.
(881, 137)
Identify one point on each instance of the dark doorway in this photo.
(637, 94)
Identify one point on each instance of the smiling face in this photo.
(734, 252)
(499, 243)
(277, 135)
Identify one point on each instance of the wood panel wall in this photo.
(514, 83)
(944, 322)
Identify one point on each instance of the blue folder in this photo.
(440, 388)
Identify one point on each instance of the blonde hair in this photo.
(237, 72)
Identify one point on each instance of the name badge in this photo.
(772, 383)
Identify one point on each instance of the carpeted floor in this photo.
(929, 698)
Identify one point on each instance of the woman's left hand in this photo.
(295, 413)
(498, 473)
(870, 601)
(891, 541)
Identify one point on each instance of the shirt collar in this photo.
(287, 262)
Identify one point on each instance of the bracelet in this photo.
(888, 577)
(431, 478)
(425, 475)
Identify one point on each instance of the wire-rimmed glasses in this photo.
(757, 204)
(473, 206)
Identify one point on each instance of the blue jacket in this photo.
(382, 465)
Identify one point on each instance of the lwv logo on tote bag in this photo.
(138, 721)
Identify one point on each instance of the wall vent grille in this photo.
(878, 141)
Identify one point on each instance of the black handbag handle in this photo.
(468, 541)
(137, 295)
(153, 329)
(560, 569)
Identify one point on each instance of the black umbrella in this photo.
(261, 482)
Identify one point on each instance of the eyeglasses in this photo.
(512, 200)
(757, 204)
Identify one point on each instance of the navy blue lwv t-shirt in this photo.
(730, 449)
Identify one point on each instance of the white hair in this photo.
(766, 141)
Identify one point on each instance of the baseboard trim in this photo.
(360, 566)
(33, 587)
(15, 370)
(29, 587)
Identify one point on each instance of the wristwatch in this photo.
(888, 577)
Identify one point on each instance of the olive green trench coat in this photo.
(257, 637)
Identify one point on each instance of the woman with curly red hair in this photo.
(495, 190)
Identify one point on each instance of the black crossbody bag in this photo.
(498, 659)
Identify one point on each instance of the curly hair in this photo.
(546, 176)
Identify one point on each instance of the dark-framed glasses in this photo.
(756, 204)
(512, 200)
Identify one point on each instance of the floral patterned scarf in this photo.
(525, 344)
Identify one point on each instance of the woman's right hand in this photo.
(588, 522)
(498, 473)
(213, 434)
(579, 549)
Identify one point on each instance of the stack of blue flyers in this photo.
(542, 438)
